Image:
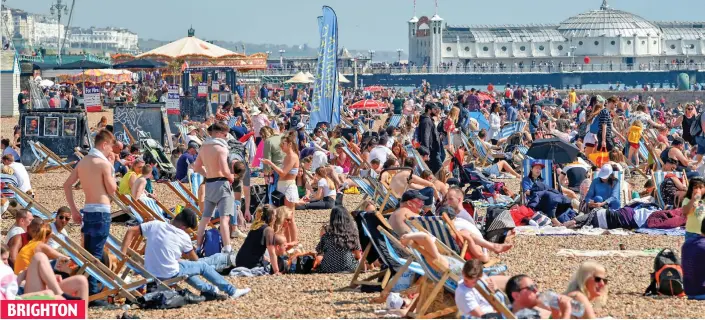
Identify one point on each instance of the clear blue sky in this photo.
(363, 24)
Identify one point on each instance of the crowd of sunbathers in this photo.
(436, 154)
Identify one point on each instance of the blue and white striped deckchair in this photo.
(383, 196)
(658, 178)
(231, 122)
(195, 181)
(112, 283)
(485, 156)
(395, 120)
(621, 197)
(546, 174)
(522, 150)
(185, 195)
(421, 165)
(183, 132)
(437, 227)
(389, 247)
(510, 128)
(156, 209)
(27, 202)
(449, 280)
(481, 120)
(44, 162)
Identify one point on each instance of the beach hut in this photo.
(10, 79)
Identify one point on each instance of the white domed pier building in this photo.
(606, 35)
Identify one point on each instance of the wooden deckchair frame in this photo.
(55, 157)
(32, 204)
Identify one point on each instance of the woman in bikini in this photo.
(287, 181)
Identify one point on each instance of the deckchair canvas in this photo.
(44, 162)
(658, 178)
(420, 163)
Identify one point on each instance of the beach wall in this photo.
(672, 97)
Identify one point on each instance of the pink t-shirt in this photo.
(8, 283)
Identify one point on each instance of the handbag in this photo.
(601, 157)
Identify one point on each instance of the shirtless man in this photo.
(212, 163)
(400, 181)
(138, 187)
(411, 204)
(97, 176)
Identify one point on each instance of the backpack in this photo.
(696, 127)
(667, 279)
(595, 125)
(212, 242)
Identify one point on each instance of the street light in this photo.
(56, 9)
(399, 51)
(372, 54)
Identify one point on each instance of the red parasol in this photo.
(485, 96)
(368, 105)
(374, 88)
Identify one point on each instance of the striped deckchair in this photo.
(395, 120)
(159, 210)
(658, 178)
(231, 122)
(437, 227)
(195, 181)
(484, 156)
(387, 250)
(421, 165)
(90, 266)
(442, 277)
(183, 131)
(368, 221)
(7, 180)
(510, 128)
(546, 173)
(47, 161)
(383, 196)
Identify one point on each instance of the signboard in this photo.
(172, 100)
(203, 89)
(215, 86)
(91, 99)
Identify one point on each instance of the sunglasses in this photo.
(533, 288)
(64, 218)
(600, 279)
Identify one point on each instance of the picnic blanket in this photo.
(563, 231)
(608, 253)
(676, 232)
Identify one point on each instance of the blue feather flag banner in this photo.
(326, 97)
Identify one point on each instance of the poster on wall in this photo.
(202, 89)
(172, 100)
(92, 99)
(51, 126)
(70, 127)
(215, 86)
(31, 126)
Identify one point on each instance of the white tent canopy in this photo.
(186, 47)
(342, 78)
(299, 78)
(310, 75)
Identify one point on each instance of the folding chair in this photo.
(383, 196)
(34, 207)
(358, 163)
(442, 277)
(44, 162)
(7, 180)
(421, 165)
(658, 178)
(374, 238)
(195, 182)
(510, 128)
(546, 173)
(184, 194)
(439, 228)
(395, 120)
(89, 265)
(482, 153)
(183, 132)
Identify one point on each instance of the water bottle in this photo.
(550, 298)
(527, 313)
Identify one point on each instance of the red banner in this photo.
(43, 309)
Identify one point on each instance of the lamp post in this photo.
(56, 9)
(372, 54)
(572, 55)
(399, 51)
(281, 57)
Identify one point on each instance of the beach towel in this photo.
(607, 253)
(248, 273)
(675, 232)
(258, 155)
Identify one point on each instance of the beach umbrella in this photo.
(553, 149)
(368, 105)
(140, 64)
(299, 78)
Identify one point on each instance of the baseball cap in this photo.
(605, 171)
(536, 163)
(300, 125)
(411, 195)
(193, 144)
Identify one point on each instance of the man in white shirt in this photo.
(320, 158)
(63, 216)
(20, 173)
(193, 136)
(468, 300)
(167, 243)
(467, 228)
(381, 151)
